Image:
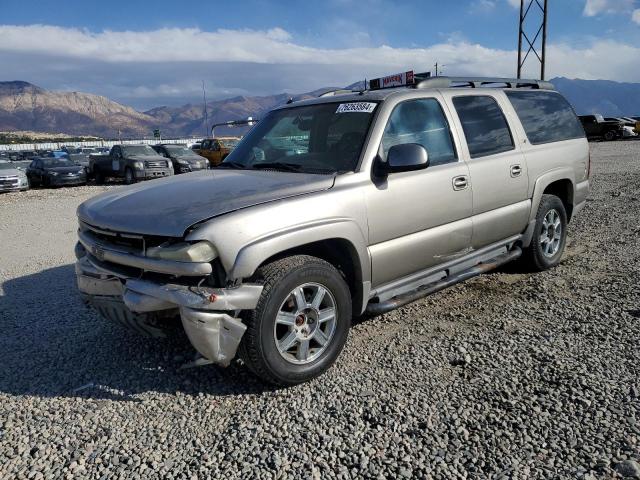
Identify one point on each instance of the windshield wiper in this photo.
(235, 165)
(287, 167)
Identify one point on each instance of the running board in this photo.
(378, 308)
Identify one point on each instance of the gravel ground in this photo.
(509, 375)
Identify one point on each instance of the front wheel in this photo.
(301, 322)
(610, 135)
(129, 177)
(549, 235)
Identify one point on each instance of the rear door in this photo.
(497, 167)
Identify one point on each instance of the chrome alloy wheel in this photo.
(305, 323)
(551, 233)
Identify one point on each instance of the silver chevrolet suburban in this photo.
(333, 207)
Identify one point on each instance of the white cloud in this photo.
(169, 64)
(597, 7)
(514, 3)
(635, 16)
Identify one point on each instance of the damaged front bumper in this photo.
(209, 315)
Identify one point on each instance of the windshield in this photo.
(57, 162)
(72, 150)
(323, 138)
(7, 166)
(139, 150)
(180, 151)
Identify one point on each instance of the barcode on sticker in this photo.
(357, 107)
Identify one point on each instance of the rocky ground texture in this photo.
(510, 375)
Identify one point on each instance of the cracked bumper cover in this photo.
(207, 314)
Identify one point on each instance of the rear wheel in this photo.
(549, 235)
(301, 322)
(610, 135)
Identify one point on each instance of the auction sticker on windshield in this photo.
(356, 107)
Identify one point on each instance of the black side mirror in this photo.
(407, 157)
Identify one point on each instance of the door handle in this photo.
(516, 170)
(460, 183)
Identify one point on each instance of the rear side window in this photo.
(546, 117)
(484, 125)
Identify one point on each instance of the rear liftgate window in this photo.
(484, 125)
(546, 117)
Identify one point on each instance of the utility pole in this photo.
(206, 116)
(441, 67)
(538, 47)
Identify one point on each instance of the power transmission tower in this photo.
(206, 115)
(537, 46)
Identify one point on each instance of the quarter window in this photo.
(421, 121)
(485, 126)
(546, 116)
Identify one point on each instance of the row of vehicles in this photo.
(610, 128)
(76, 166)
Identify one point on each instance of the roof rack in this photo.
(339, 91)
(478, 82)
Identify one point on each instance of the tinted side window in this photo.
(484, 125)
(546, 116)
(421, 121)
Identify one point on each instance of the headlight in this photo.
(182, 162)
(138, 165)
(184, 252)
(53, 174)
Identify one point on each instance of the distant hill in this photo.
(600, 96)
(24, 106)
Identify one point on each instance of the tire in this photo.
(129, 177)
(280, 365)
(610, 135)
(99, 177)
(544, 253)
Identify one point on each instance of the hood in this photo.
(142, 158)
(168, 207)
(190, 158)
(71, 169)
(11, 172)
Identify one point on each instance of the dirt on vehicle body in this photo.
(336, 206)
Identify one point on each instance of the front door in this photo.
(422, 218)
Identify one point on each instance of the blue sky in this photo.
(155, 53)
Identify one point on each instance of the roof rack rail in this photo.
(339, 91)
(478, 82)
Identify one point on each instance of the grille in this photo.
(9, 181)
(134, 242)
(155, 164)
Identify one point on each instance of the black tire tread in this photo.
(532, 258)
(269, 276)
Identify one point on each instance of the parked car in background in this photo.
(80, 155)
(184, 159)
(595, 126)
(12, 178)
(628, 126)
(216, 149)
(55, 172)
(370, 201)
(131, 162)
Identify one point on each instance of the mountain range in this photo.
(27, 107)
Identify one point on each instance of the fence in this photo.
(89, 143)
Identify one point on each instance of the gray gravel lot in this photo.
(509, 375)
